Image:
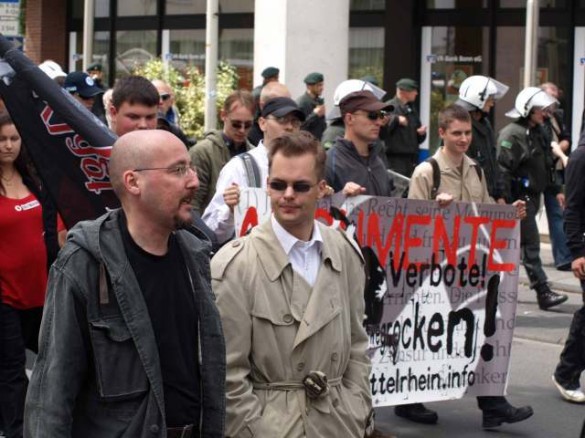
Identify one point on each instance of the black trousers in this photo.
(530, 244)
(19, 330)
(572, 361)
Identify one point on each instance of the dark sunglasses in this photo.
(164, 97)
(375, 115)
(297, 186)
(238, 124)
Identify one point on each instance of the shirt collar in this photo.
(288, 241)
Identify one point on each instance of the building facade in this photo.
(438, 42)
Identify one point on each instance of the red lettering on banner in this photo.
(475, 223)
(440, 234)
(250, 221)
(499, 244)
(94, 160)
(383, 247)
(411, 241)
(56, 129)
(322, 214)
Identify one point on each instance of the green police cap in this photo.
(407, 84)
(371, 79)
(95, 66)
(313, 78)
(270, 72)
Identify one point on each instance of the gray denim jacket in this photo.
(98, 371)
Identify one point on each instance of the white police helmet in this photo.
(528, 98)
(475, 91)
(350, 86)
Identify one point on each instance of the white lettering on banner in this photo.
(443, 327)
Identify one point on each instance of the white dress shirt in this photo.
(305, 257)
(218, 215)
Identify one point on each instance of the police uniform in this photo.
(402, 142)
(527, 167)
(313, 123)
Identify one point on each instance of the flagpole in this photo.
(88, 16)
(211, 43)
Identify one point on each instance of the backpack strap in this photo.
(436, 177)
(478, 169)
(252, 170)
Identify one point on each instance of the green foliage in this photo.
(189, 89)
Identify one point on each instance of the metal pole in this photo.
(531, 43)
(211, 45)
(88, 15)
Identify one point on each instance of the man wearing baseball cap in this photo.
(279, 115)
(405, 132)
(82, 88)
(353, 164)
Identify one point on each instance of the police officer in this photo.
(477, 94)
(405, 131)
(311, 103)
(527, 167)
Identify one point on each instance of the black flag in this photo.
(69, 146)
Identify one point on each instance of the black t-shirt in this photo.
(165, 284)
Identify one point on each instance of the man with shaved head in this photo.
(269, 91)
(131, 343)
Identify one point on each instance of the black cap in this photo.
(313, 78)
(79, 82)
(362, 100)
(270, 72)
(282, 106)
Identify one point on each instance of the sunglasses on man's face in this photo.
(165, 96)
(298, 186)
(238, 124)
(375, 115)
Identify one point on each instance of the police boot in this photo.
(547, 298)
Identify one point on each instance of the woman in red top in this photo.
(28, 243)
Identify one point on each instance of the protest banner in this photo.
(440, 295)
(68, 145)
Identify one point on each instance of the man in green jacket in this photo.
(218, 147)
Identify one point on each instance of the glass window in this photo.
(101, 47)
(366, 52)
(457, 52)
(367, 5)
(134, 48)
(553, 63)
(236, 46)
(181, 7)
(561, 4)
(456, 4)
(101, 8)
(136, 8)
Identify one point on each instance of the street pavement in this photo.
(538, 340)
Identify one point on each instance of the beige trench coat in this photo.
(277, 330)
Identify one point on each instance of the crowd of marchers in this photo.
(156, 320)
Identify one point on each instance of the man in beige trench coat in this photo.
(290, 295)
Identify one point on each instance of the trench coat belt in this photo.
(292, 386)
(321, 404)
